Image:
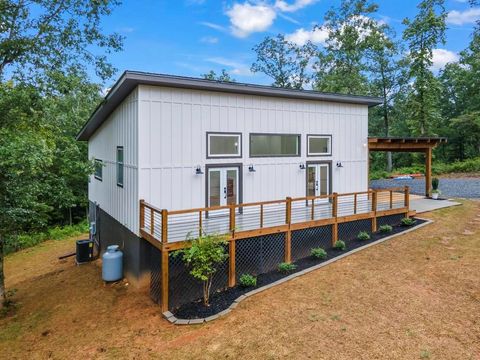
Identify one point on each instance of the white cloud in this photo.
(442, 57)
(301, 36)
(209, 40)
(212, 26)
(246, 18)
(234, 67)
(468, 16)
(296, 5)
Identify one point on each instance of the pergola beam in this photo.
(407, 144)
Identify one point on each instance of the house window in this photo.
(98, 169)
(224, 145)
(270, 145)
(120, 166)
(319, 145)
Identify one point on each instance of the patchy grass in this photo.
(417, 296)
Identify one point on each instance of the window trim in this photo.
(224, 156)
(117, 163)
(299, 137)
(98, 161)
(328, 136)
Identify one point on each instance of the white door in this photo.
(318, 181)
(222, 186)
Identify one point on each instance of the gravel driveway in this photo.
(458, 187)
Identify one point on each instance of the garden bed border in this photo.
(174, 320)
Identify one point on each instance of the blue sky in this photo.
(190, 37)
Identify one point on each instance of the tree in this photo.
(202, 258)
(223, 76)
(423, 34)
(38, 39)
(26, 151)
(386, 78)
(340, 67)
(54, 34)
(285, 62)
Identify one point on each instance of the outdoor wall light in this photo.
(198, 170)
(339, 164)
(302, 166)
(251, 168)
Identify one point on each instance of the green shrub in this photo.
(340, 245)
(286, 267)
(363, 235)
(202, 258)
(408, 221)
(247, 280)
(435, 183)
(318, 253)
(26, 240)
(385, 228)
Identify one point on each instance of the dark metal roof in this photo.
(131, 79)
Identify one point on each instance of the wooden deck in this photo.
(172, 230)
(184, 224)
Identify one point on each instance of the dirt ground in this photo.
(414, 297)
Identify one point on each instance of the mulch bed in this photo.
(222, 299)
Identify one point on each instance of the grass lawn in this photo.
(414, 297)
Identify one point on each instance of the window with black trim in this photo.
(224, 145)
(120, 166)
(272, 145)
(319, 145)
(98, 174)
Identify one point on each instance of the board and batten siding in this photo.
(120, 129)
(172, 140)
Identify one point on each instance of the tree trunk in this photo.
(2, 275)
(389, 161)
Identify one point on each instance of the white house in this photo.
(181, 143)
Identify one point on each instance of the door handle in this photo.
(316, 185)
(225, 192)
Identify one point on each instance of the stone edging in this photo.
(171, 318)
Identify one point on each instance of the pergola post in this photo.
(428, 171)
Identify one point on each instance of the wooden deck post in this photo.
(428, 171)
(334, 215)
(407, 200)
(164, 296)
(142, 214)
(288, 235)
(165, 286)
(231, 249)
(374, 209)
(164, 226)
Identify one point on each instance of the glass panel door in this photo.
(222, 186)
(318, 181)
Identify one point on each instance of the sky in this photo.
(191, 37)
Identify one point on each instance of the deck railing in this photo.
(170, 230)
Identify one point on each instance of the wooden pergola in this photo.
(406, 144)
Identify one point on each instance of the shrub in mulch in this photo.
(223, 298)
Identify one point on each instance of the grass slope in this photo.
(417, 296)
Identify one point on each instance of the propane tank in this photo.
(112, 264)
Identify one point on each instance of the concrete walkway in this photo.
(421, 205)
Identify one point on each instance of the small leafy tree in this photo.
(202, 258)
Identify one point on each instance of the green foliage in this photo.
(435, 183)
(286, 267)
(385, 228)
(26, 240)
(202, 258)
(285, 62)
(340, 245)
(408, 221)
(318, 253)
(363, 235)
(223, 76)
(45, 35)
(247, 280)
